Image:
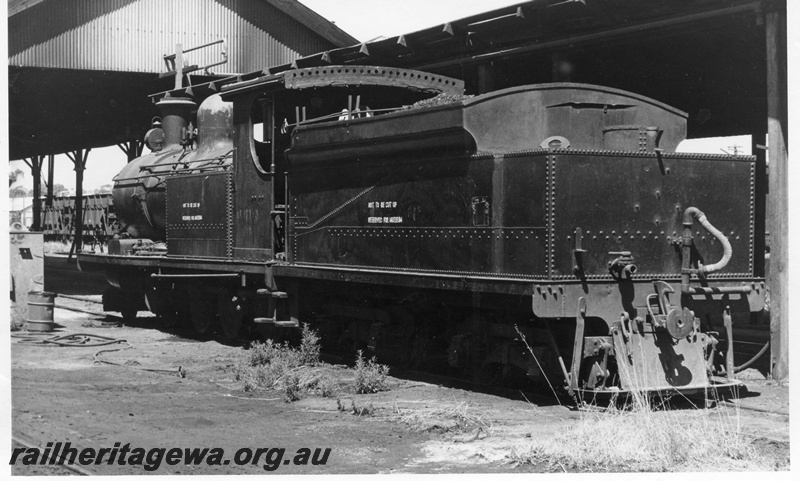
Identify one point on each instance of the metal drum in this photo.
(40, 311)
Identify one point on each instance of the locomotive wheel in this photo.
(230, 315)
(203, 311)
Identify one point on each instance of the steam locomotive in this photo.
(545, 233)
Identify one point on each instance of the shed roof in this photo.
(293, 8)
(134, 35)
(706, 57)
(80, 70)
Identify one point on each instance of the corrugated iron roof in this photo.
(133, 35)
(536, 24)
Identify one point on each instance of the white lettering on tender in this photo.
(381, 205)
(385, 220)
(192, 217)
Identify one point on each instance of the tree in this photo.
(57, 189)
(19, 191)
(13, 176)
(103, 189)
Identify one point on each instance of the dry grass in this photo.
(457, 419)
(641, 438)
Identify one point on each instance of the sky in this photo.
(368, 19)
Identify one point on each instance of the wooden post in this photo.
(36, 170)
(38, 160)
(759, 150)
(132, 149)
(50, 167)
(777, 202)
(78, 158)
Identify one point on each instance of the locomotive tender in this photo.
(546, 232)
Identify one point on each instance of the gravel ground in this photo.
(163, 388)
(61, 395)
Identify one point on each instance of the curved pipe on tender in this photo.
(726, 245)
(687, 271)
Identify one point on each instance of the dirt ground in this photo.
(60, 394)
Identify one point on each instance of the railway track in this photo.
(20, 439)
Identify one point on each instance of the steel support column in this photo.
(777, 202)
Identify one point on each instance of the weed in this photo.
(370, 376)
(291, 388)
(326, 386)
(280, 366)
(367, 410)
(309, 346)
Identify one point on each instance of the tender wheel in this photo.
(230, 315)
(203, 311)
(159, 303)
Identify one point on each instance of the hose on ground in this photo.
(70, 340)
(752, 360)
(92, 340)
(180, 371)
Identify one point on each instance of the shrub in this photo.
(325, 386)
(370, 376)
(309, 346)
(272, 365)
(291, 388)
